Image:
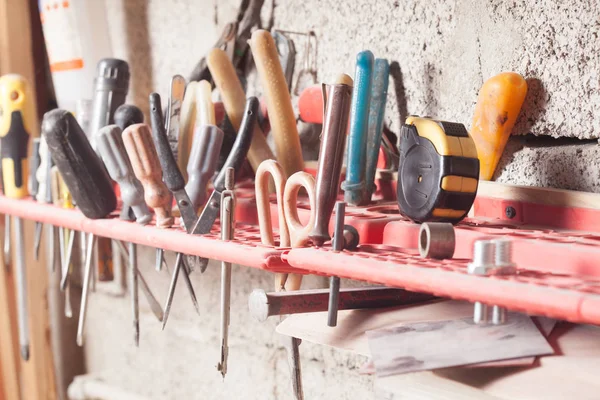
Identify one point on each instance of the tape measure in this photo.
(438, 171)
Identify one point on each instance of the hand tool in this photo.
(79, 166)
(128, 114)
(264, 305)
(62, 198)
(111, 148)
(203, 160)
(436, 240)
(33, 182)
(87, 180)
(172, 176)
(17, 124)
(336, 99)
(287, 55)
(291, 231)
(279, 105)
(227, 232)
(498, 106)
(187, 124)
(146, 167)
(205, 110)
(235, 160)
(154, 304)
(337, 246)
(174, 112)
(234, 39)
(110, 90)
(378, 95)
(438, 170)
(44, 195)
(125, 116)
(233, 96)
(354, 185)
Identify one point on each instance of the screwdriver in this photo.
(174, 112)
(33, 182)
(44, 195)
(87, 180)
(146, 167)
(227, 232)
(17, 122)
(354, 185)
(62, 198)
(112, 150)
(204, 155)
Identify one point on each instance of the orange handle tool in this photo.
(279, 104)
(498, 106)
(146, 167)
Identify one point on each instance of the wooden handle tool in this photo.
(279, 104)
(234, 101)
(146, 166)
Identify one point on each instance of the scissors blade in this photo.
(206, 220)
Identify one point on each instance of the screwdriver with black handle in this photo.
(87, 180)
(146, 167)
(17, 123)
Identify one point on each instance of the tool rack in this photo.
(558, 269)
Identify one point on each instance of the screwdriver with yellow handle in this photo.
(17, 121)
(498, 106)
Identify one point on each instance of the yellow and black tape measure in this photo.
(438, 173)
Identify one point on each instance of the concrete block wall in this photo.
(442, 52)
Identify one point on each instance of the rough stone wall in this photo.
(441, 52)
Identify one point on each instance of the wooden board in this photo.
(425, 346)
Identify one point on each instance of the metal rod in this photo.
(134, 292)
(7, 259)
(263, 305)
(91, 241)
(37, 239)
(338, 245)
(21, 282)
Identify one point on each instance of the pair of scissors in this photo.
(292, 233)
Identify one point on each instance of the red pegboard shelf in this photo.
(559, 270)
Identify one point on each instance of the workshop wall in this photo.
(441, 53)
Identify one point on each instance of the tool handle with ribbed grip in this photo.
(146, 167)
(238, 153)
(203, 161)
(16, 126)
(171, 173)
(128, 114)
(233, 97)
(111, 148)
(80, 167)
(279, 104)
(354, 186)
(331, 156)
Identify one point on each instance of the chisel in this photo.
(17, 124)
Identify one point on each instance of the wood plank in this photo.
(9, 347)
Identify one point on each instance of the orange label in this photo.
(67, 65)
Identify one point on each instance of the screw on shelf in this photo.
(483, 264)
(510, 212)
